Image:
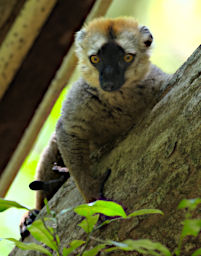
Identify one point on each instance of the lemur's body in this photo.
(118, 85)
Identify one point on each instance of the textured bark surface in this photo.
(155, 166)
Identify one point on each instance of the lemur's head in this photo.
(113, 52)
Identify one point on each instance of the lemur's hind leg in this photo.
(50, 176)
(51, 173)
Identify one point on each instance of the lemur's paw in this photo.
(26, 220)
(61, 169)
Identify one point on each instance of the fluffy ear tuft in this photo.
(79, 37)
(147, 37)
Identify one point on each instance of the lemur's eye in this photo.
(94, 59)
(128, 57)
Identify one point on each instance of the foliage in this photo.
(91, 213)
(6, 204)
(191, 227)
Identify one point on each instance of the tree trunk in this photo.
(155, 166)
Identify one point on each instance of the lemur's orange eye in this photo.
(128, 57)
(94, 59)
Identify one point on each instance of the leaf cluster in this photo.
(91, 213)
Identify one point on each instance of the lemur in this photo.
(117, 85)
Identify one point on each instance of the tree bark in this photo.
(156, 165)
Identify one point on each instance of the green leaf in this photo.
(94, 251)
(40, 233)
(117, 244)
(47, 206)
(191, 204)
(145, 211)
(197, 252)
(73, 245)
(191, 227)
(65, 211)
(58, 239)
(29, 246)
(144, 246)
(89, 223)
(107, 208)
(6, 204)
(50, 212)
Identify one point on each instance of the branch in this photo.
(21, 37)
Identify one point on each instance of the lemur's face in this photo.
(112, 52)
(111, 61)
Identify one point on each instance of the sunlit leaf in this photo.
(73, 245)
(50, 219)
(29, 246)
(145, 211)
(197, 252)
(47, 206)
(191, 204)
(40, 233)
(144, 246)
(117, 244)
(94, 251)
(105, 207)
(89, 222)
(6, 204)
(191, 227)
(64, 211)
(49, 211)
(58, 239)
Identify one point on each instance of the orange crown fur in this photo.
(118, 24)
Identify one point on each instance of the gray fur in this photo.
(91, 117)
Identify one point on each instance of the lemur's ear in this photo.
(79, 36)
(147, 37)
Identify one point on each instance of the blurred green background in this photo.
(176, 27)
